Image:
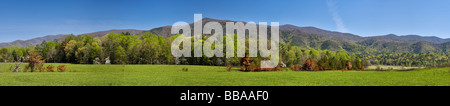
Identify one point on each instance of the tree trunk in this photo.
(17, 67)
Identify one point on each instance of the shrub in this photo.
(41, 68)
(295, 68)
(278, 68)
(229, 68)
(184, 69)
(378, 68)
(25, 69)
(61, 68)
(253, 68)
(349, 65)
(50, 68)
(445, 65)
(310, 65)
(242, 68)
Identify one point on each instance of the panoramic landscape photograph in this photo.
(224, 43)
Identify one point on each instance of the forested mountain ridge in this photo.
(305, 38)
(34, 41)
(310, 37)
(38, 40)
(412, 38)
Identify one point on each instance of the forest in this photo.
(148, 48)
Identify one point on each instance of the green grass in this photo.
(171, 75)
(387, 67)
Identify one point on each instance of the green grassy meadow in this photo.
(172, 75)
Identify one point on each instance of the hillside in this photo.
(311, 37)
(411, 38)
(306, 37)
(34, 41)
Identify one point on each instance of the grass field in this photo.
(171, 75)
(383, 67)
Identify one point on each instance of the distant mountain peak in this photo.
(391, 35)
(289, 27)
(433, 39)
(209, 19)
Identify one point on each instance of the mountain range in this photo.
(38, 40)
(304, 37)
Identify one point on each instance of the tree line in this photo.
(148, 48)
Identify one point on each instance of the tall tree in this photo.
(120, 56)
(34, 60)
(70, 50)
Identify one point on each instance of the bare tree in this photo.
(17, 68)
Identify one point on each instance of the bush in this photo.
(41, 68)
(25, 68)
(229, 68)
(61, 68)
(184, 69)
(349, 65)
(295, 68)
(253, 68)
(445, 65)
(50, 68)
(310, 65)
(278, 68)
(378, 68)
(242, 68)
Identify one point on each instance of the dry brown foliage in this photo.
(242, 68)
(278, 68)
(61, 68)
(25, 69)
(349, 65)
(229, 67)
(50, 68)
(35, 60)
(295, 68)
(310, 65)
(41, 67)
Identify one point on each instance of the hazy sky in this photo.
(26, 19)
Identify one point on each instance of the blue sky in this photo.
(26, 19)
